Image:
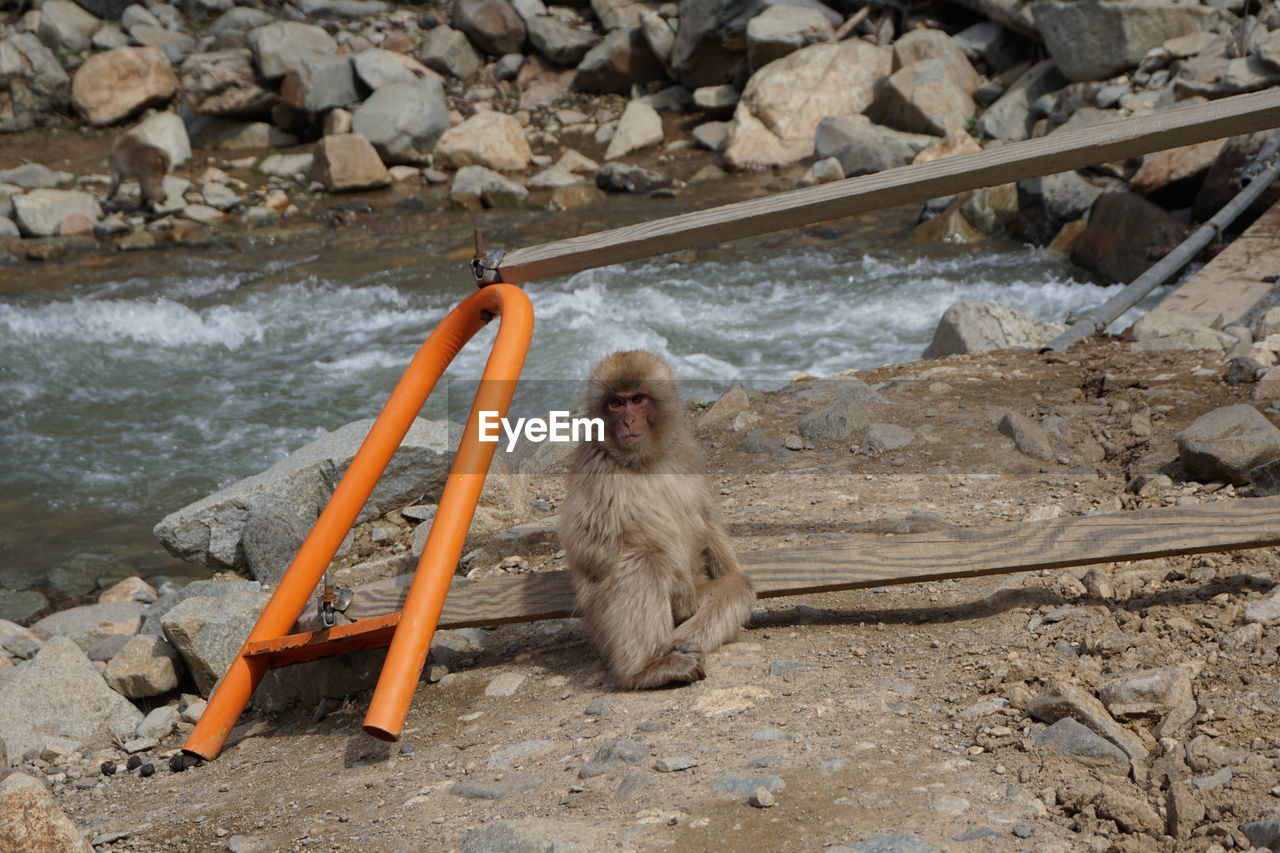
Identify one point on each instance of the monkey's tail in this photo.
(724, 606)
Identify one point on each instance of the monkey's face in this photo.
(629, 419)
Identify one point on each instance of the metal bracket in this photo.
(334, 601)
(484, 265)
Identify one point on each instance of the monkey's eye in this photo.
(616, 403)
(638, 399)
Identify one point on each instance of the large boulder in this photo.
(283, 46)
(1126, 234)
(112, 86)
(1010, 118)
(1096, 39)
(1225, 178)
(863, 147)
(65, 27)
(208, 632)
(492, 25)
(780, 30)
(147, 666)
(1227, 443)
(175, 45)
(918, 45)
(923, 98)
(321, 84)
(232, 27)
(59, 694)
(226, 83)
(449, 51)
(1172, 178)
(640, 127)
(376, 67)
(33, 86)
(563, 44)
(490, 139)
(403, 121)
(981, 326)
(476, 188)
(88, 623)
(32, 822)
(771, 126)
(40, 213)
(209, 531)
(710, 46)
(623, 58)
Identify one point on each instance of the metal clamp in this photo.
(334, 601)
(484, 265)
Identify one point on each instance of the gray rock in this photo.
(631, 786)
(1096, 39)
(1265, 610)
(505, 684)
(245, 844)
(780, 30)
(320, 84)
(507, 757)
(476, 188)
(1071, 738)
(990, 42)
(225, 83)
(563, 44)
(270, 539)
(175, 45)
(1146, 692)
(159, 722)
(1028, 436)
(9, 228)
(17, 640)
(151, 623)
(744, 785)
(923, 98)
(34, 176)
(33, 83)
(208, 632)
(310, 684)
(1060, 198)
(716, 101)
(347, 163)
(835, 422)
(90, 622)
(1183, 811)
(20, 605)
(31, 821)
(343, 8)
(209, 530)
(1227, 443)
(1061, 700)
(712, 135)
(503, 838)
(147, 666)
(1210, 783)
(864, 147)
(283, 46)
(508, 67)
(894, 842)
(981, 326)
(65, 27)
(474, 788)
(403, 121)
(233, 26)
(1010, 118)
(1130, 813)
(620, 60)
(448, 51)
(40, 213)
(1263, 833)
(60, 693)
(492, 25)
(887, 437)
(377, 68)
(166, 131)
(659, 34)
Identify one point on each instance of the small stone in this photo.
(505, 684)
(672, 764)
(761, 798)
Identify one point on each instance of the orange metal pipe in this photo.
(233, 691)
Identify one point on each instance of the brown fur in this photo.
(135, 160)
(656, 579)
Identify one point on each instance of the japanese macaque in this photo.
(135, 160)
(656, 579)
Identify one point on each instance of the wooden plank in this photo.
(1233, 282)
(870, 561)
(1058, 152)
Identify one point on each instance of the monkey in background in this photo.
(133, 159)
(656, 580)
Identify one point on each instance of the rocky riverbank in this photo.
(268, 111)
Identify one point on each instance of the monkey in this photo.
(134, 159)
(656, 580)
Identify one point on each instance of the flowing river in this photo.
(133, 389)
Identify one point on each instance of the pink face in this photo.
(629, 418)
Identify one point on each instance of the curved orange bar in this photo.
(448, 531)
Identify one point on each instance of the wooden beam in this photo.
(859, 561)
(1058, 152)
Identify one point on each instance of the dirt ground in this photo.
(863, 713)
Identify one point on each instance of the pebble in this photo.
(761, 798)
(671, 764)
(505, 684)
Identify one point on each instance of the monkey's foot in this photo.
(681, 665)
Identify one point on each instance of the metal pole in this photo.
(1261, 173)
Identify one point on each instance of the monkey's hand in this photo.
(686, 663)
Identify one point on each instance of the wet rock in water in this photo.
(492, 25)
(109, 87)
(147, 666)
(479, 788)
(284, 46)
(404, 120)
(1069, 737)
(781, 30)
(320, 84)
(33, 84)
(621, 59)
(1096, 39)
(31, 821)
(65, 27)
(923, 98)
(770, 127)
(286, 165)
(490, 139)
(968, 327)
(476, 188)
(20, 605)
(640, 127)
(622, 177)
(1051, 201)
(1028, 436)
(1061, 700)
(1227, 443)
(59, 692)
(448, 51)
(1125, 236)
(208, 632)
